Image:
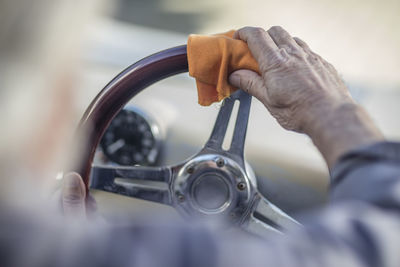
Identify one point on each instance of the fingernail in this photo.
(73, 191)
(72, 180)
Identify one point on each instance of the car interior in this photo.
(164, 126)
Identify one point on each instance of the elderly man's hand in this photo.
(303, 92)
(296, 84)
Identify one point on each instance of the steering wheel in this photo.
(214, 183)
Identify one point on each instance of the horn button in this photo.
(211, 192)
(212, 185)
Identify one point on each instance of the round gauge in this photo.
(131, 139)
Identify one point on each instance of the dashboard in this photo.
(132, 139)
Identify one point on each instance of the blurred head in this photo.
(40, 44)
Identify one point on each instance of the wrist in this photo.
(339, 127)
(325, 114)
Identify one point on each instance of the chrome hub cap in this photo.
(212, 185)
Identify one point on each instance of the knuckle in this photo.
(73, 199)
(258, 31)
(299, 54)
(251, 32)
(242, 30)
(298, 40)
(73, 195)
(284, 51)
(283, 57)
(312, 58)
(287, 50)
(274, 61)
(246, 83)
(249, 85)
(275, 29)
(265, 67)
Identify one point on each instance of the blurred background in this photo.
(361, 38)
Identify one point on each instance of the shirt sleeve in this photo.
(369, 174)
(359, 227)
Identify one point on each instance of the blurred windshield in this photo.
(360, 37)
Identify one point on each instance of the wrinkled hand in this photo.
(295, 84)
(304, 92)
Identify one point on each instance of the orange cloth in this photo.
(211, 59)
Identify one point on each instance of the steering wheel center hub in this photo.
(211, 192)
(207, 185)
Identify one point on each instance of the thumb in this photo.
(248, 81)
(73, 196)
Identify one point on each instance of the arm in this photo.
(304, 93)
(361, 226)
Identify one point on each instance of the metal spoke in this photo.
(259, 228)
(221, 124)
(148, 183)
(267, 218)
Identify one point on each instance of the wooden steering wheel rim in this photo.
(114, 96)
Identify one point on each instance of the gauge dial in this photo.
(131, 139)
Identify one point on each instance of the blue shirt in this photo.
(359, 227)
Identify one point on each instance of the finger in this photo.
(248, 81)
(282, 38)
(308, 50)
(261, 46)
(302, 44)
(73, 196)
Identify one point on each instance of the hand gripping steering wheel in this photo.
(213, 183)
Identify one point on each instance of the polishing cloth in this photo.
(211, 59)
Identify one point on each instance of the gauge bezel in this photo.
(155, 130)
